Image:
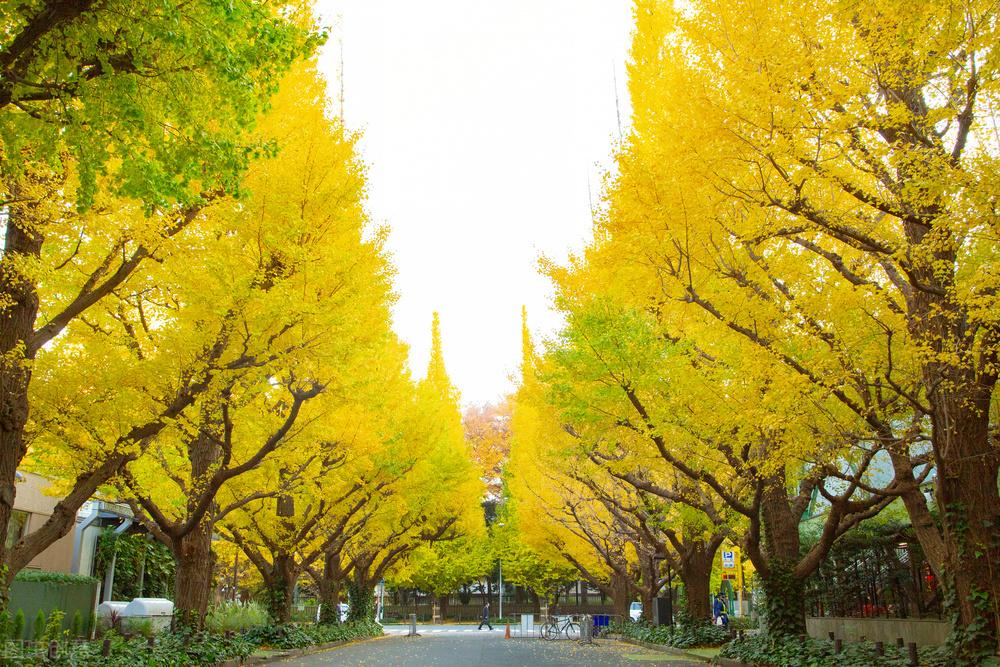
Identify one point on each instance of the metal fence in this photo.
(875, 575)
(471, 612)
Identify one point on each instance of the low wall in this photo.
(925, 632)
(70, 595)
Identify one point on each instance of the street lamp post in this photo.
(500, 564)
(670, 589)
(500, 524)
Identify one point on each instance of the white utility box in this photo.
(105, 608)
(159, 611)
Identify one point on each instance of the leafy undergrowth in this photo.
(183, 650)
(300, 636)
(766, 651)
(170, 650)
(680, 636)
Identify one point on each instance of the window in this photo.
(16, 527)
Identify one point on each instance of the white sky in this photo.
(482, 121)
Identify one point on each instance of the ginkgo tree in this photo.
(817, 179)
(328, 493)
(438, 500)
(287, 291)
(119, 122)
(599, 500)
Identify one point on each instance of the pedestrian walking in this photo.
(719, 611)
(485, 620)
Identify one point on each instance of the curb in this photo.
(295, 652)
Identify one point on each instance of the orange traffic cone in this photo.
(506, 634)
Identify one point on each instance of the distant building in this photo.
(73, 553)
(32, 508)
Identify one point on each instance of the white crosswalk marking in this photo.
(441, 630)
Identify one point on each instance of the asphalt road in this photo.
(463, 646)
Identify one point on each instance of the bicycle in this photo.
(554, 627)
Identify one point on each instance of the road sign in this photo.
(729, 560)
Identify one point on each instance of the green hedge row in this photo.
(184, 650)
(43, 576)
(767, 651)
(299, 636)
(679, 636)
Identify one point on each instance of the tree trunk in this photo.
(621, 596)
(959, 376)
(193, 584)
(784, 592)
(361, 598)
(921, 519)
(329, 590)
(281, 588)
(696, 575)
(970, 505)
(536, 603)
(647, 596)
(443, 606)
(18, 309)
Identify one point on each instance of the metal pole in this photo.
(500, 564)
(381, 604)
(670, 595)
(236, 574)
(413, 626)
(142, 564)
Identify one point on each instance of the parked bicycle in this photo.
(554, 627)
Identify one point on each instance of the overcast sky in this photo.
(483, 121)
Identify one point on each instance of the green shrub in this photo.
(5, 626)
(39, 628)
(170, 650)
(140, 626)
(53, 577)
(76, 627)
(298, 636)
(53, 627)
(743, 623)
(680, 636)
(17, 631)
(236, 616)
(767, 651)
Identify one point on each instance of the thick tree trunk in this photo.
(18, 309)
(969, 502)
(536, 603)
(443, 606)
(361, 598)
(621, 596)
(959, 377)
(647, 596)
(696, 574)
(329, 590)
(193, 583)
(784, 592)
(281, 588)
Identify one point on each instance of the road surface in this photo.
(464, 646)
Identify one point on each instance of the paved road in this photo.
(448, 630)
(462, 646)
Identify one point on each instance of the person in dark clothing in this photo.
(719, 611)
(485, 620)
